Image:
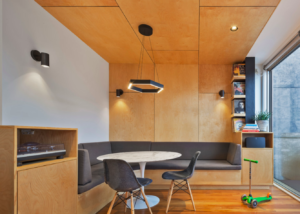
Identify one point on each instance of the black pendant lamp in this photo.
(145, 30)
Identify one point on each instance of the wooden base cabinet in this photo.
(47, 186)
(262, 172)
(50, 189)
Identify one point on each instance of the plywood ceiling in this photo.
(104, 29)
(240, 3)
(219, 45)
(184, 31)
(85, 3)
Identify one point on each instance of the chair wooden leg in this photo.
(112, 203)
(126, 195)
(132, 204)
(145, 198)
(170, 195)
(191, 195)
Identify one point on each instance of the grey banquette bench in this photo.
(214, 156)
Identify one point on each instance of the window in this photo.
(285, 102)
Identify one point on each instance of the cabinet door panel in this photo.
(262, 172)
(49, 190)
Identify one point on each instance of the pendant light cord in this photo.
(155, 69)
(140, 58)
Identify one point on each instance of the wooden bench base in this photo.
(95, 199)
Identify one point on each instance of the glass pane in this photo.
(286, 122)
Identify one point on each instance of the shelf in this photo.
(238, 78)
(238, 97)
(39, 163)
(267, 135)
(257, 132)
(245, 148)
(238, 115)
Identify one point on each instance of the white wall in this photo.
(280, 29)
(73, 92)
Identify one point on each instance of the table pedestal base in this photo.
(140, 204)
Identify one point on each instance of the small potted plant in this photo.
(262, 119)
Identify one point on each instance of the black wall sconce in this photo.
(119, 92)
(222, 93)
(44, 58)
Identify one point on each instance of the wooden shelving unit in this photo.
(238, 79)
(48, 181)
(262, 173)
(238, 97)
(43, 163)
(233, 97)
(238, 115)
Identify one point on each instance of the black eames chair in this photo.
(178, 177)
(120, 177)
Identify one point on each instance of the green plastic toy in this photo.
(249, 199)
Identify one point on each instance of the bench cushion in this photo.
(209, 151)
(84, 167)
(130, 146)
(234, 155)
(80, 146)
(97, 149)
(200, 165)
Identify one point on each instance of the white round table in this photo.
(142, 158)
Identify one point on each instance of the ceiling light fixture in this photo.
(145, 30)
(234, 28)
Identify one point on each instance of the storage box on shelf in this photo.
(50, 182)
(262, 173)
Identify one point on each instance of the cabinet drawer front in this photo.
(50, 189)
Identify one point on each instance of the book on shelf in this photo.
(238, 88)
(250, 131)
(238, 106)
(237, 124)
(239, 69)
(250, 128)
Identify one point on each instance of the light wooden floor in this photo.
(216, 201)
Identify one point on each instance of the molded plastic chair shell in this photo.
(120, 176)
(185, 174)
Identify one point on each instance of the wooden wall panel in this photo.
(213, 78)
(241, 3)
(175, 23)
(218, 44)
(131, 117)
(215, 118)
(7, 170)
(120, 75)
(104, 29)
(175, 57)
(184, 111)
(84, 3)
(49, 189)
(176, 107)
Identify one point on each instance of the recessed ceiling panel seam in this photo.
(134, 32)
